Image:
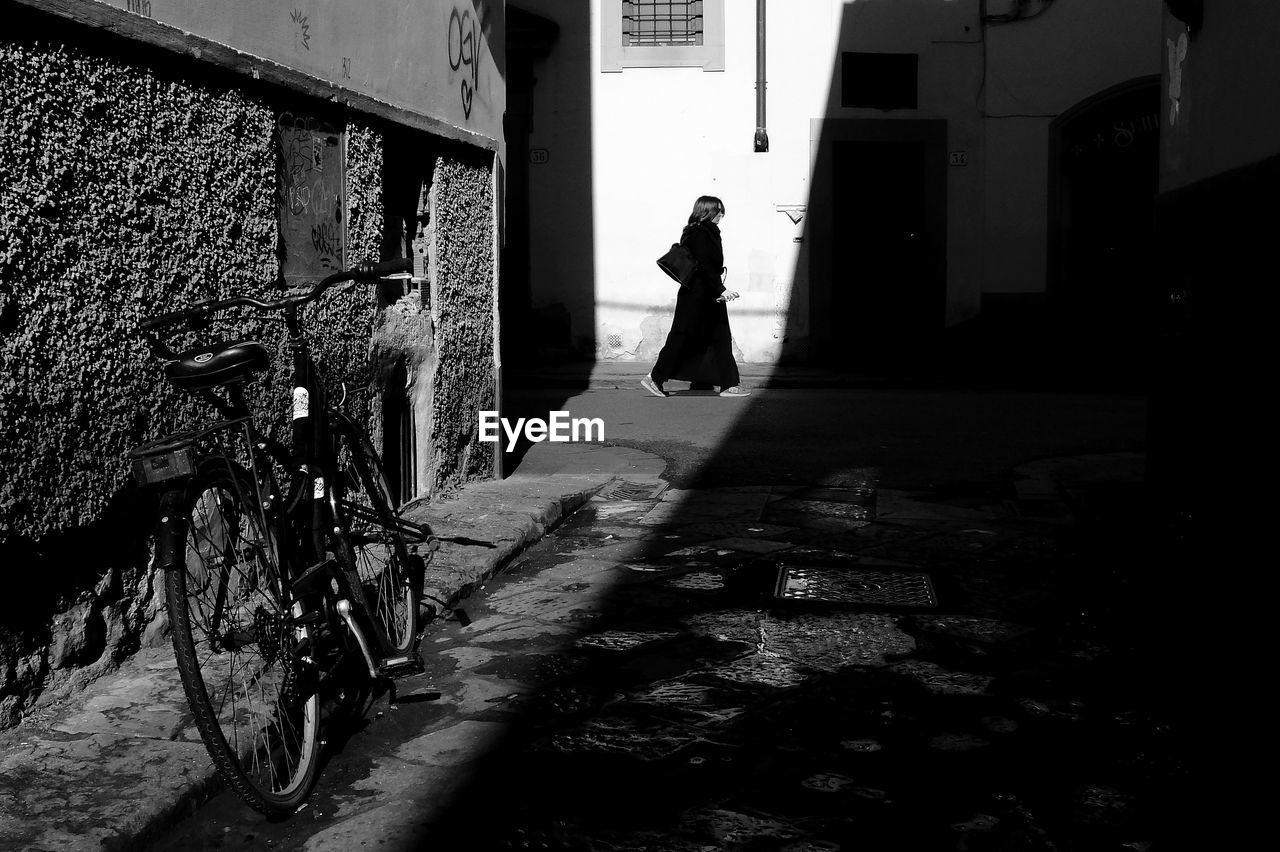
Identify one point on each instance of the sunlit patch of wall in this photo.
(462, 279)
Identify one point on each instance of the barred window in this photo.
(661, 24)
(639, 34)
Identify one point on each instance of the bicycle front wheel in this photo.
(379, 553)
(243, 660)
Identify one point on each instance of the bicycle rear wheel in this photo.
(243, 661)
(379, 553)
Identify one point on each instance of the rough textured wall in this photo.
(342, 323)
(126, 189)
(113, 182)
(462, 275)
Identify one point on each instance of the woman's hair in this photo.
(705, 209)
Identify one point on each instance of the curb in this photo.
(451, 576)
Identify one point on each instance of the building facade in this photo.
(154, 154)
(929, 166)
(1216, 220)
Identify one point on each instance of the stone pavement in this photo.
(756, 667)
(119, 761)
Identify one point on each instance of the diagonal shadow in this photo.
(909, 732)
(854, 726)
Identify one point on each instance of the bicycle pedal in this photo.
(396, 667)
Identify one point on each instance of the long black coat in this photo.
(699, 345)
(697, 311)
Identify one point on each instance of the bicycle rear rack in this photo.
(172, 457)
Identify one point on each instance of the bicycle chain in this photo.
(297, 685)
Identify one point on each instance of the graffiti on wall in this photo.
(465, 35)
(310, 202)
(301, 30)
(431, 57)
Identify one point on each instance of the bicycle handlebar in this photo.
(201, 310)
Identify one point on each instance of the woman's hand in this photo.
(727, 296)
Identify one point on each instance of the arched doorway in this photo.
(1104, 174)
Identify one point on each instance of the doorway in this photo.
(877, 265)
(1104, 175)
(880, 287)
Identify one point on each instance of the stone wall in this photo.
(128, 185)
(132, 182)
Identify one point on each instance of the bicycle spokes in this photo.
(248, 650)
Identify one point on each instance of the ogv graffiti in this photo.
(465, 35)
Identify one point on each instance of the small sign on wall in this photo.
(539, 156)
(958, 158)
(311, 197)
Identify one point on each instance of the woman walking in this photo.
(699, 346)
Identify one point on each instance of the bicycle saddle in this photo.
(217, 364)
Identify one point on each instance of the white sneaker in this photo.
(735, 391)
(652, 387)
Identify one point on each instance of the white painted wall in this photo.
(662, 137)
(656, 138)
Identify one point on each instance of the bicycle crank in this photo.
(344, 610)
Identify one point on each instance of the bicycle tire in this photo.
(379, 554)
(240, 660)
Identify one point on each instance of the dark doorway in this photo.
(408, 171)
(885, 303)
(1105, 170)
(529, 40)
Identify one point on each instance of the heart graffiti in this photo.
(467, 93)
(464, 54)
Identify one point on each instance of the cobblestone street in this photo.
(836, 667)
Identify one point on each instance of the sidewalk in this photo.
(598, 375)
(947, 371)
(120, 762)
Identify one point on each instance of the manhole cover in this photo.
(622, 490)
(838, 585)
(698, 581)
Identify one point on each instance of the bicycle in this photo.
(287, 568)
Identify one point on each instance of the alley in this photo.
(834, 666)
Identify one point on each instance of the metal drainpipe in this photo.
(762, 136)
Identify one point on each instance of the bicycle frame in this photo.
(302, 522)
(276, 554)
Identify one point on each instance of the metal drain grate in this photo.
(840, 585)
(621, 490)
(698, 581)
